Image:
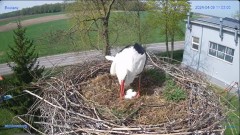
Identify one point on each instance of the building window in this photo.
(221, 52)
(195, 43)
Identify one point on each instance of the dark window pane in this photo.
(195, 46)
(220, 55)
(213, 45)
(221, 48)
(195, 40)
(212, 52)
(229, 58)
(230, 51)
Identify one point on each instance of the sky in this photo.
(220, 8)
(13, 5)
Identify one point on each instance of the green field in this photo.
(39, 33)
(50, 39)
(14, 19)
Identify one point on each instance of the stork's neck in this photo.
(122, 74)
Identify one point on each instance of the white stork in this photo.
(127, 65)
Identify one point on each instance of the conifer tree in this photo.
(25, 66)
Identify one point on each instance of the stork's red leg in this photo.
(120, 95)
(139, 85)
(122, 89)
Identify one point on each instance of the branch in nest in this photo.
(173, 73)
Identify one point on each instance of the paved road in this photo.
(78, 57)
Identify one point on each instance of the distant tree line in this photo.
(46, 8)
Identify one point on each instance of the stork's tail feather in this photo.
(113, 66)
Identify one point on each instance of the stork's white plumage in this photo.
(127, 64)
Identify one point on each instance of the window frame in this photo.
(225, 53)
(198, 44)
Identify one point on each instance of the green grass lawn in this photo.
(14, 19)
(39, 33)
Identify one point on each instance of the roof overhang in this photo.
(213, 26)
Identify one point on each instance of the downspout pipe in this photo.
(221, 29)
(188, 21)
(200, 49)
(236, 35)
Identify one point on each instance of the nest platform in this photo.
(84, 99)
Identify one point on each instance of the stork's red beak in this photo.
(122, 89)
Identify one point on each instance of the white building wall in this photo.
(191, 56)
(217, 69)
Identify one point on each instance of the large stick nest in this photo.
(85, 99)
